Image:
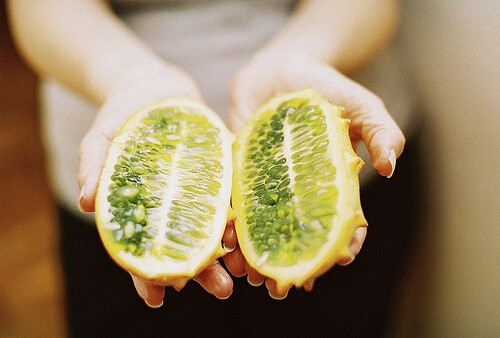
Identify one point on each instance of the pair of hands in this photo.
(267, 74)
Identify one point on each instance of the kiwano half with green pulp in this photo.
(163, 198)
(295, 188)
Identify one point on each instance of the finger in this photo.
(385, 143)
(229, 239)
(357, 240)
(253, 277)
(370, 120)
(95, 144)
(238, 116)
(243, 100)
(235, 262)
(274, 291)
(151, 294)
(381, 135)
(308, 285)
(355, 245)
(93, 150)
(240, 106)
(216, 281)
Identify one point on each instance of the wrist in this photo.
(316, 48)
(151, 77)
(138, 70)
(278, 56)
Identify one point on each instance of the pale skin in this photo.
(82, 44)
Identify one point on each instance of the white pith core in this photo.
(168, 195)
(339, 173)
(287, 152)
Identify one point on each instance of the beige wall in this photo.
(453, 51)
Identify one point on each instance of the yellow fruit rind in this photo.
(349, 204)
(179, 276)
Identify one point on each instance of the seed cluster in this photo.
(169, 141)
(289, 217)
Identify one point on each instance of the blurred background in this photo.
(450, 285)
(31, 290)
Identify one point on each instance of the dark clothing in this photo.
(346, 301)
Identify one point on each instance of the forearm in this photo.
(81, 43)
(344, 33)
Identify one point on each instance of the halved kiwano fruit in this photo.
(295, 188)
(164, 193)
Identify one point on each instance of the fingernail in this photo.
(252, 283)
(349, 261)
(80, 197)
(154, 306)
(222, 298)
(279, 297)
(392, 160)
(228, 249)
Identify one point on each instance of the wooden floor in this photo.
(31, 289)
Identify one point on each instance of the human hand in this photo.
(273, 71)
(138, 86)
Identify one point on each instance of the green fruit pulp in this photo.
(289, 218)
(168, 141)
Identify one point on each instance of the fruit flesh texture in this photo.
(283, 223)
(166, 138)
(295, 188)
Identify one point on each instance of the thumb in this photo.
(242, 107)
(93, 150)
(245, 98)
(237, 119)
(95, 144)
